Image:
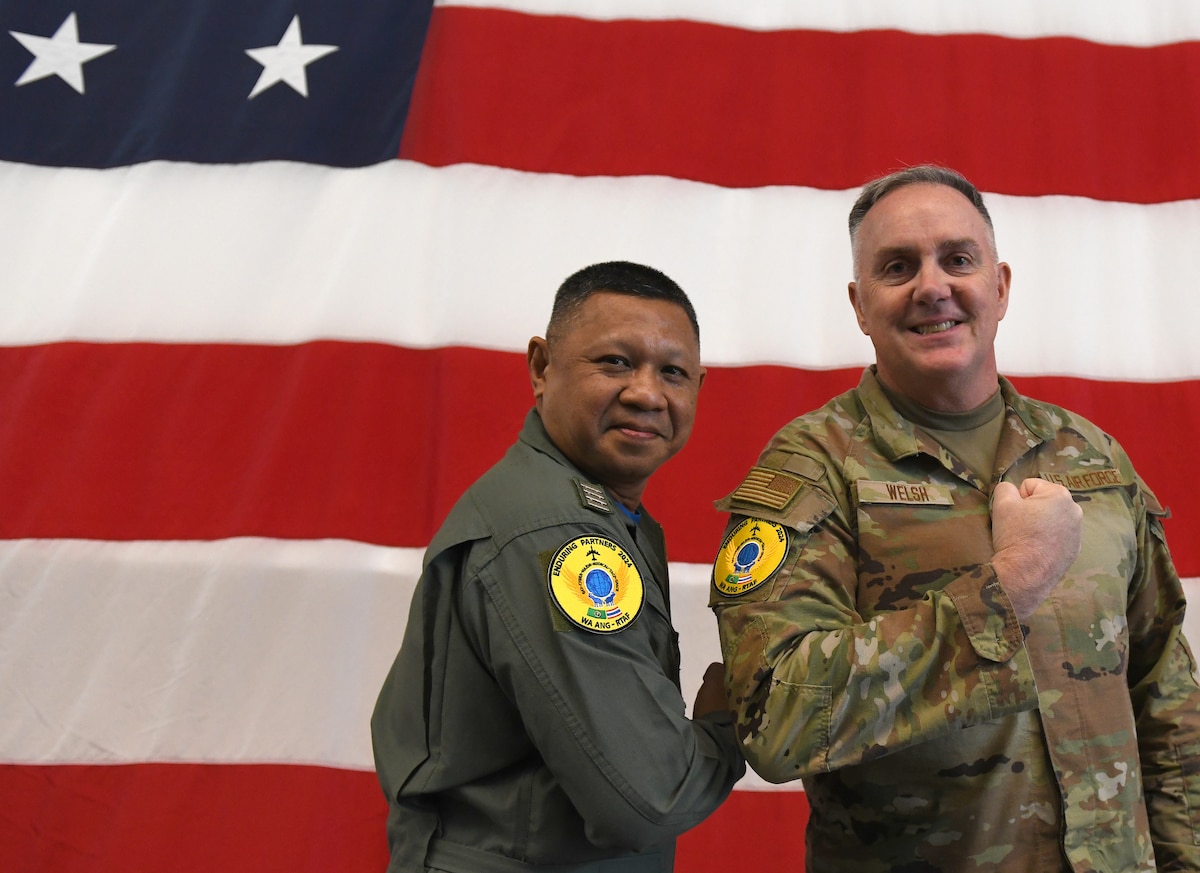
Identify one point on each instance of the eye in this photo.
(896, 270)
(614, 361)
(673, 372)
(959, 262)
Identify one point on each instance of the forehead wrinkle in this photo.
(669, 349)
(966, 243)
(859, 255)
(658, 338)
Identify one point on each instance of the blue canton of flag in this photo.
(87, 83)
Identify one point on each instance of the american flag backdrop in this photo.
(263, 318)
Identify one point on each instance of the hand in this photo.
(1035, 535)
(711, 696)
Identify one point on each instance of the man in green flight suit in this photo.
(533, 717)
(950, 609)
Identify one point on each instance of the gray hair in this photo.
(924, 174)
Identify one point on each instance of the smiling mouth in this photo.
(638, 433)
(926, 329)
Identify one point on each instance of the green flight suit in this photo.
(509, 738)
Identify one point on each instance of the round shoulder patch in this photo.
(596, 584)
(750, 554)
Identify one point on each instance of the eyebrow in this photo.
(969, 243)
(965, 242)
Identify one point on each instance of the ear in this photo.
(1003, 283)
(538, 359)
(852, 288)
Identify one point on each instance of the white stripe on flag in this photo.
(1110, 21)
(283, 253)
(239, 650)
(243, 650)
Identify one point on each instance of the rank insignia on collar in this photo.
(750, 554)
(596, 584)
(592, 496)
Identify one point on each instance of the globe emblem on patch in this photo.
(600, 586)
(747, 556)
(596, 584)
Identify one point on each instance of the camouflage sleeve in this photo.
(814, 685)
(1165, 697)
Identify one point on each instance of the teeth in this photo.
(934, 328)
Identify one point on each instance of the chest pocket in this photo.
(1099, 579)
(914, 536)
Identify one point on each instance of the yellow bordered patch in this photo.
(749, 555)
(596, 584)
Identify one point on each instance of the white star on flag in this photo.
(286, 62)
(61, 55)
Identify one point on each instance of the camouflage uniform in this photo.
(507, 738)
(874, 655)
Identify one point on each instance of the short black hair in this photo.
(617, 277)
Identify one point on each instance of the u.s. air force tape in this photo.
(596, 584)
(749, 555)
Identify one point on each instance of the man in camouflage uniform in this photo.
(950, 609)
(533, 719)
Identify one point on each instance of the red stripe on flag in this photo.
(200, 818)
(190, 818)
(375, 443)
(752, 830)
(361, 441)
(746, 108)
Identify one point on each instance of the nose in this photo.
(644, 389)
(932, 282)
